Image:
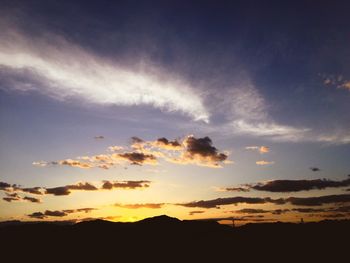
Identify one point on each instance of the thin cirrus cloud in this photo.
(62, 70)
(190, 150)
(285, 186)
(251, 117)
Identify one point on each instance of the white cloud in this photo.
(271, 130)
(250, 116)
(65, 70)
(260, 149)
(264, 162)
(335, 138)
(247, 102)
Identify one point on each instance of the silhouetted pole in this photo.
(233, 222)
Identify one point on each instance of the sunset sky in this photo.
(123, 110)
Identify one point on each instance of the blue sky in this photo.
(244, 74)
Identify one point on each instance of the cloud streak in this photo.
(138, 206)
(58, 213)
(285, 186)
(62, 70)
(297, 201)
(13, 191)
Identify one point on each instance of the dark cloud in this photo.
(32, 190)
(299, 185)
(164, 142)
(309, 210)
(32, 199)
(315, 169)
(191, 213)
(279, 211)
(82, 186)
(86, 210)
(339, 215)
(16, 197)
(65, 190)
(10, 199)
(236, 189)
(252, 211)
(62, 190)
(37, 215)
(137, 206)
(318, 201)
(58, 213)
(298, 201)
(4, 186)
(215, 203)
(345, 209)
(108, 185)
(203, 147)
(55, 213)
(138, 158)
(99, 137)
(283, 186)
(261, 211)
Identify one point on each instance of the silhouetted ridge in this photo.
(167, 238)
(162, 219)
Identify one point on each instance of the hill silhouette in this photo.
(169, 239)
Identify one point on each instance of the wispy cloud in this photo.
(250, 115)
(62, 70)
(270, 130)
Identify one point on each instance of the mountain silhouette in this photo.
(171, 239)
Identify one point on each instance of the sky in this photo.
(122, 110)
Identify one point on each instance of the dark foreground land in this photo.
(170, 239)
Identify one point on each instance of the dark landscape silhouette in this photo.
(172, 239)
